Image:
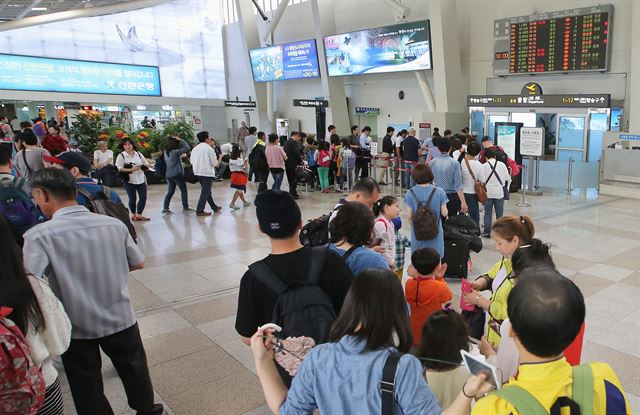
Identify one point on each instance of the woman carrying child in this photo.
(238, 177)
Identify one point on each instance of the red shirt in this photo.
(55, 144)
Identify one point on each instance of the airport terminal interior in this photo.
(323, 99)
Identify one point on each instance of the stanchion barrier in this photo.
(523, 198)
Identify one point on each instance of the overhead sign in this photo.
(310, 103)
(367, 110)
(240, 104)
(28, 73)
(547, 101)
(531, 88)
(532, 141)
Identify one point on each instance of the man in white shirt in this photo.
(399, 138)
(362, 163)
(283, 131)
(470, 165)
(497, 180)
(204, 161)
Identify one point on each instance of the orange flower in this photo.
(144, 134)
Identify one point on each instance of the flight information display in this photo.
(561, 41)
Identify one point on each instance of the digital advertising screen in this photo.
(295, 60)
(397, 48)
(191, 65)
(561, 41)
(29, 73)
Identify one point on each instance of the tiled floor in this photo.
(186, 296)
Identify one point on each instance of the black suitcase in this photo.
(456, 256)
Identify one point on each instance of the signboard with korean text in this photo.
(27, 73)
(544, 101)
(532, 141)
(310, 103)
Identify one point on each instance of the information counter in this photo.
(620, 175)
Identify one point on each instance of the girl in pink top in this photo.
(385, 210)
(275, 159)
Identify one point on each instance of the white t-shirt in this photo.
(226, 149)
(99, 157)
(136, 177)
(467, 180)
(237, 164)
(456, 154)
(494, 187)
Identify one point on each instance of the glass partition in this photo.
(554, 174)
(585, 175)
(571, 137)
(476, 119)
(597, 127)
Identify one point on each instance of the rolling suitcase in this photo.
(456, 256)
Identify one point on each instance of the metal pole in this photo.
(523, 198)
(598, 183)
(570, 175)
(530, 177)
(537, 173)
(372, 169)
(392, 164)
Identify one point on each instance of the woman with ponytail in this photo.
(509, 232)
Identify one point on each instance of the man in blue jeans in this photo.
(204, 161)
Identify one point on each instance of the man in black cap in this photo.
(280, 219)
(80, 166)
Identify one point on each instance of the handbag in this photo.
(188, 175)
(480, 188)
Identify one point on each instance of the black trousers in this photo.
(291, 177)
(83, 365)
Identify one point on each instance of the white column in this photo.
(333, 88)
(633, 105)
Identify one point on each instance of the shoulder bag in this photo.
(505, 189)
(480, 188)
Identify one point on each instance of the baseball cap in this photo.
(70, 159)
(486, 138)
(278, 213)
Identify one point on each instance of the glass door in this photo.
(598, 122)
(492, 119)
(572, 137)
(476, 120)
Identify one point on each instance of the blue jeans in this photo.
(278, 177)
(139, 190)
(172, 182)
(474, 209)
(488, 211)
(205, 194)
(346, 175)
(408, 182)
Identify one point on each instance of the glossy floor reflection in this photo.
(186, 296)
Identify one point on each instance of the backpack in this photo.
(100, 203)
(581, 402)
(302, 309)
(324, 158)
(161, 166)
(425, 220)
(258, 158)
(23, 387)
(311, 159)
(316, 231)
(18, 208)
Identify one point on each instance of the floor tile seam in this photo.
(213, 346)
(182, 302)
(202, 385)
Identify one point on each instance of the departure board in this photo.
(562, 41)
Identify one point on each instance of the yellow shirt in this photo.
(549, 381)
(498, 307)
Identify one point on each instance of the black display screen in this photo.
(566, 41)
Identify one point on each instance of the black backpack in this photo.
(18, 208)
(316, 231)
(100, 203)
(258, 158)
(302, 309)
(425, 220)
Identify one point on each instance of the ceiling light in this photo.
(38, 9)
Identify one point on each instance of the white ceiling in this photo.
(17, 9)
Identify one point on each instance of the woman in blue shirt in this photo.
(423, 176)
(343, 377)
(351, 232)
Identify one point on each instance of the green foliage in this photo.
(181, 129)
(86, 130)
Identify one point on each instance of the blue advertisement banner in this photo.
(28, 73)
(295, 60)
(396, 48)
